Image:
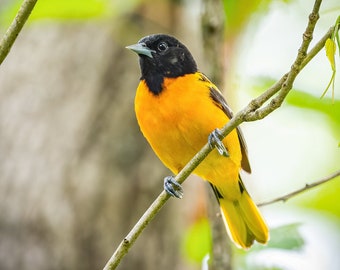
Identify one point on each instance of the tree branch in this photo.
(287, 83)
(251, 112)
(14, 29)
(288, 196)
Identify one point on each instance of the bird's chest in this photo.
(169, 121)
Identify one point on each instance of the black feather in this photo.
(174, 61)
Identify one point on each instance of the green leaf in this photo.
(62, 9)
(331, 82)
(197, 241)
(327, 106)
(286, 237)
(238, 12)
(308, 101)
(330, 48)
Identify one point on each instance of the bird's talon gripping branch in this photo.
(214, 140)
(172, 187)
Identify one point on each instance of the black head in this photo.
(162, 56)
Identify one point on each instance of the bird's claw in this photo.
(215, 140)
(172, 187)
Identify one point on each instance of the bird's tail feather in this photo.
(243, 221)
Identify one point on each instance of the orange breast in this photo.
(177, 123)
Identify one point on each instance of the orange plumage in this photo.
(177, 108)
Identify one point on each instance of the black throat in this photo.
(166, 58)
(154, 81)
(154, 75)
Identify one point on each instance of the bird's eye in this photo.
(163, 46)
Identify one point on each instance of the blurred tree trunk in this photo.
(75, 171)
(213, 28)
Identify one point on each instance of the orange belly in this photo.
(177, 123)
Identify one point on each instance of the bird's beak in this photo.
(141, 49)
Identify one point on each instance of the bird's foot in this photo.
(172, 187)
(215, 140)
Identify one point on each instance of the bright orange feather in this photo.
(177, 123)
(177, 108)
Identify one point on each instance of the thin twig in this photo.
(318, 46)
(251, 112)
(154, 208)
(14, 29)
(294, 71)
(136, 231)
(288, 196)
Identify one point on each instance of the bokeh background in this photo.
(76, 173)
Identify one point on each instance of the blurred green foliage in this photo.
(308, 101)
(304, 100)
(323, 198)
(239, 12)
(197, 241)
(320, 198)
(330, 47)
(285, 237)
(61, 9)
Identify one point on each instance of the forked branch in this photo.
(255, 110)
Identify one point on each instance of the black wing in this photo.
(219, 100)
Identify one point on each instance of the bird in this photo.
(179, 110)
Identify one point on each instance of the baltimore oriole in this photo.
(178, 109)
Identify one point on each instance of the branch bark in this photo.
(252, 112)
(14, 29)
(288, 196)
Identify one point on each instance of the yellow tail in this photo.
(243, 221)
